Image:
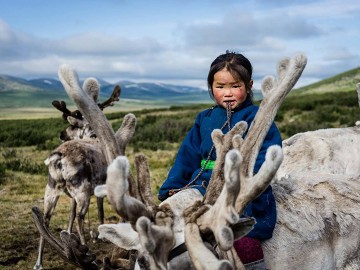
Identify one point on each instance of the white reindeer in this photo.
(317, 190)
(185, 216)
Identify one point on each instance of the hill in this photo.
(342, 82)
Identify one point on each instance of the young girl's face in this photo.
(227, 89)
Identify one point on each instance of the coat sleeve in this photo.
(188, 160)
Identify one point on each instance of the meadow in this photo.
(25, 144)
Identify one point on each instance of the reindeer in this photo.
(78, 164)
(206, 224)
(317, 190)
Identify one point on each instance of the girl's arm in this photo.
(188, 160)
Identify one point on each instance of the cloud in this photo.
(19, 46)
(239, 28)
(92, 43)
(8, 42)
(265, 31)
(6, 35)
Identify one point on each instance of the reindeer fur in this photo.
(317, 188)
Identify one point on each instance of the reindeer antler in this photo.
(92, 88)
(91, 111)
(274, 92)
(61, 106)
(70, 249)
(223, 144)
(113, 98)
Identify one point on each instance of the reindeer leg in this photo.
(100, 205)
(83, 201)
(51, 198)
(72, 214)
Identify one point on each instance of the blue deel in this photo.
(196, 147)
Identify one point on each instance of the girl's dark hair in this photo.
(237, 64)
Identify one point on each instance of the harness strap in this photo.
(180, 249)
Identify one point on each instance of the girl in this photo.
(230, 86)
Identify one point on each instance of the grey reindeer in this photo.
(78, 164)
(315, 180)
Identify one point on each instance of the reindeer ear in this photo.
(53, 156)
(121, 235)
(100, 191)
(47, 161)
(243, 227)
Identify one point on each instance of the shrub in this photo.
(25, 165)
(2, 171)
(9, 153)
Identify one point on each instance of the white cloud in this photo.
(182, 50)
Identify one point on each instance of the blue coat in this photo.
(196, 147)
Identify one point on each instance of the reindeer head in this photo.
(79, 127)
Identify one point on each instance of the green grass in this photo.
(343, 82)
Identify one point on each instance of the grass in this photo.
(20, 191)
(48, 111)
(342, 82)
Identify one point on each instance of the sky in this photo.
(175, 41)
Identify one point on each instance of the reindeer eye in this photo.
(58, 165)
(74, 181)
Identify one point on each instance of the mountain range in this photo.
(17, 92)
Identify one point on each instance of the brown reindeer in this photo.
(212, 221)
(78, 164)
